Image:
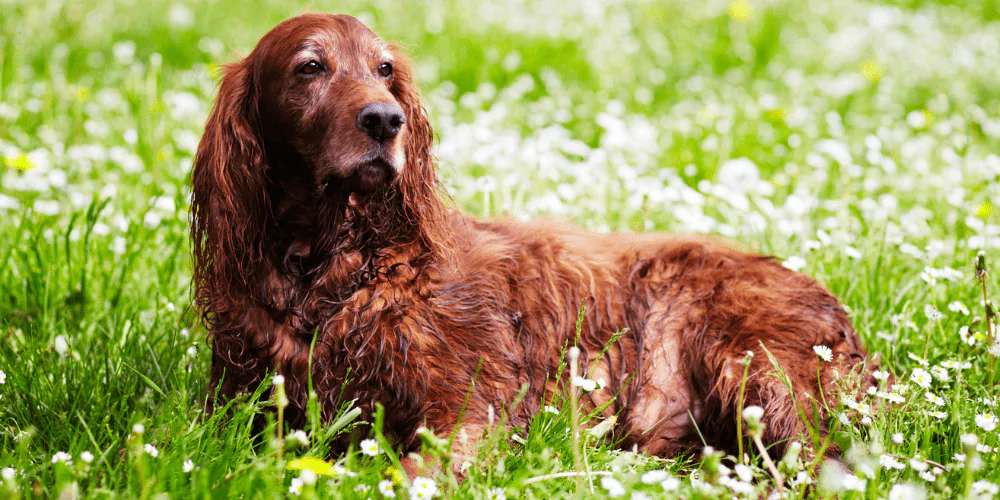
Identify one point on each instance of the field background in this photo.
(856, 141)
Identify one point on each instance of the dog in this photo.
(322, 240)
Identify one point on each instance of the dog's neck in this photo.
(314, 224)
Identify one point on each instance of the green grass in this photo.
(871, 130)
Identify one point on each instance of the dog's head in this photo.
(321, 100)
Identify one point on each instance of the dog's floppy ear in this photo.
(419, 183)
(419, 136)
(229, 205)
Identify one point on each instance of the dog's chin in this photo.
(372, 175)
(366, 177)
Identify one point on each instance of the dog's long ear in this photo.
(229, 204)
(419, 134)
(419, 183)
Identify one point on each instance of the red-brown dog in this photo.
(317, 213)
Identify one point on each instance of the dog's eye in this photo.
(385, 70)
(310, 68)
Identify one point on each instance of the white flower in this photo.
(880, 375)
(3, 377)
(87, 457)
(918, 465)
(753, 413)
(188, 466)
(61, 345)
(940, 415)
(308, 476)
(138, 428)
(151, 450)
(852, 252)
(969, 440)
(299, 437)
(932, 313)
(795, 263)
(655, 476)
(934, 398)
(890, 462)
(586, 385)
(957, 306)
(369, 447)
(386, 489)
(8, 473)
(670, 484)
(496, 494)
(928, 476)
(907, 492)
(968, 338)
(892, 397)
(940, 373)
(802, 477)
(850, 482)
(362, 488)
(986, 421)
(856, 406)
(551, 409)
(739, 174)
(615, 489)
(62, 456)
(985, 489)
(423, 488)
(743, 472)
(897, 438)
(296, 487)
(278, 380)
(921, 377)
(151, 220)
(823, 352)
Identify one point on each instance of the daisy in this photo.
(369, 447)
(423, 488)
(850, 482)
(921, 377)
(299, 437)
(986, 421)
(823, 352)
(586, 385)
(856, 406)
(615, 489)
(654, 476)
(386, 489)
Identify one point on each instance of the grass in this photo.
(856, 140)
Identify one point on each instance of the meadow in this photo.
(856, 141)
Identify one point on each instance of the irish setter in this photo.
(318, 217)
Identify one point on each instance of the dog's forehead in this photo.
(335, 33)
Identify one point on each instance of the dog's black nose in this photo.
(381, 120)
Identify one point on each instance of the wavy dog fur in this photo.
(296, 234)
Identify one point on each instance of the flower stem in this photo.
(574, 357)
